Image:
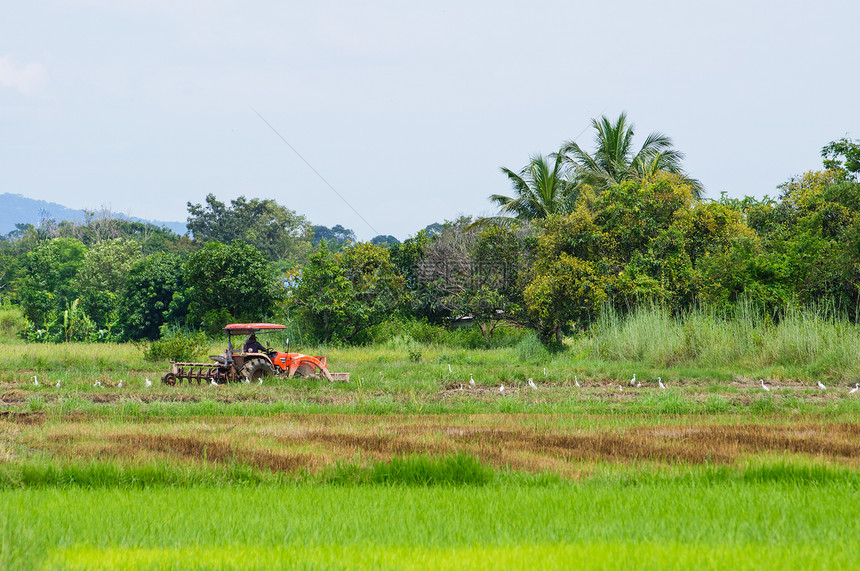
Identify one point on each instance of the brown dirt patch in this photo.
(23, 417)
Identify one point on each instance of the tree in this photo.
(384, 240)
(342, 295)
(337, 237)
(101, 279)
(150, 287)
(469, 271)
(539, 191)
(46, 286)
(276, 231)
(614, 160)
(566, 284)
(229, 282)
(843, 156)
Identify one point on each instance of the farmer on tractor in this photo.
(254, 362)
(252, 345)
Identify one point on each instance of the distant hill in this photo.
(17, 209)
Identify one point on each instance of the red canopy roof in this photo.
(245, 328)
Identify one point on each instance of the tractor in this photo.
(253, 362)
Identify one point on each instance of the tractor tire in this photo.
(305, 370)
(169, 379)
(257, 369)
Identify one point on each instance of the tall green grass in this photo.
(815, 340)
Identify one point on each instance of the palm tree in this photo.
(613, 161)
(540, 190)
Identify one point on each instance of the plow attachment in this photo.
(200, 372)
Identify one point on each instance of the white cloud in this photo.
(29, 78)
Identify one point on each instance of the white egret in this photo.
(532, 384)
(148, 382)
(471, 381)
(35, 380)
(502, 389)
(576, 381)
(120, 383)
(97, 384)
(633, 380)
(639, 384)
(58, 384)
(821, 386)
(449, 367)
(620, 388)
(764, 386)
(660, 382)
(854, 390)
(212, 382)
(261, 381)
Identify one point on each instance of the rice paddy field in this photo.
(409, 466)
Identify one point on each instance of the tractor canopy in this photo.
(248, 328)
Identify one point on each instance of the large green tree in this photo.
(46, 286)
(152, 284)
(275, 230)
(616, 160)
(101, 279)
(342, 295)
(843, 156)
(229, 282)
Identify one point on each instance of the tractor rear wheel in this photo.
(257, 369)
(169, 379)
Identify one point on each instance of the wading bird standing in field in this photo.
(502, 389)
(35, 381)
(449, 367)
(633, 380)
(821, 386)
(576, 381)
(58, 384)
(620, 388)
(544, 371)
(97, 384)
(854, 390)
(471, 381)
(532, 384)
(764, 386)
(212, 382)
(660, 382)
(120, 383)
(639, 384)
(148, 382)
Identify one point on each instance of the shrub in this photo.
(178, 345)
(11, 322)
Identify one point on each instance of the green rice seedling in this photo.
(599, 524)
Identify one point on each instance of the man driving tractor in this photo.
(252, 345)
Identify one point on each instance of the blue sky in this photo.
(407, 110)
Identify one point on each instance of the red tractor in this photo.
(252, 363)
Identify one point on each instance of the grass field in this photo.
(407, 466)
(705, 521)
